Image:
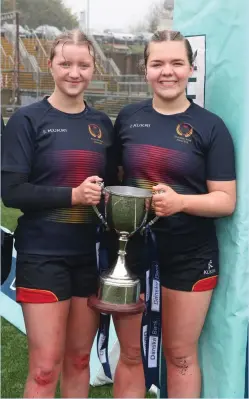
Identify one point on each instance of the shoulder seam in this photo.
(29, 115)
(138, 106)
(43, 115)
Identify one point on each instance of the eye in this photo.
(178, 64)
(84, 66)
(155, 65)
(65, 64)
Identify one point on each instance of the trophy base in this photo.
(105, 307)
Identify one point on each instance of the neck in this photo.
(66, 104)
(171, 107)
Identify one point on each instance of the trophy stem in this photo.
(120, 271)
(123, 239)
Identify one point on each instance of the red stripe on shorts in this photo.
(205, 284)
(30, 295)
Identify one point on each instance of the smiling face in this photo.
(72, 67)
(168, 69)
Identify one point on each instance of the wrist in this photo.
(183, 203)
(75, 197)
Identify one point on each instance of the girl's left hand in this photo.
(167, 203)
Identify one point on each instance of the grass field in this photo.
(15, 365)
(14, 355)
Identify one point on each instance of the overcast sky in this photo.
(114, 14)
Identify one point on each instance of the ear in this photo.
(145, 75)
(191, 71)
(50, 64)
(95, 69)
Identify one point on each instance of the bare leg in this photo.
(129, 379)
(81, 330)
(46, 331)
(183, 317)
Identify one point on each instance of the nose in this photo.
(167, 69)
(74, 72)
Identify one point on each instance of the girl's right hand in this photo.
(88, 192)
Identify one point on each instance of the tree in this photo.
(42, 12)
(154, 16)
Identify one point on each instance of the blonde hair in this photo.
(75, 36)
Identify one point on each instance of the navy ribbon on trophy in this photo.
(104, 324)
(151, 320)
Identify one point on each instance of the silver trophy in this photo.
(126, 211)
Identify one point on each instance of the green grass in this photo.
(15, 365)
(14, 353)
(9, 217)
(14, 361)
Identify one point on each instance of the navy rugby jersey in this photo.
(182, 150)
(56, 149)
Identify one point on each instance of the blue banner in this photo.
(224, 338)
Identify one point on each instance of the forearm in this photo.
(20, 194)
(214, 204)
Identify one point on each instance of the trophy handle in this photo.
(156, 218)
(100, 216)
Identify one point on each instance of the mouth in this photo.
(167, 83)
(74, 82)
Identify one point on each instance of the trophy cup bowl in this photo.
(126, 210)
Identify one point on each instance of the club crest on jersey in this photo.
(95, 131)
(184, 132)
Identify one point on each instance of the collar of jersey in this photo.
(68, 115)
(149, 108)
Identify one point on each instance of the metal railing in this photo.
(107, 64)
(140, 89)
(40, 44)
(25, 58)
(101, 94)
(111, 105)
(7, 61)
(3, 51)
(100, 84)
(114, 67)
